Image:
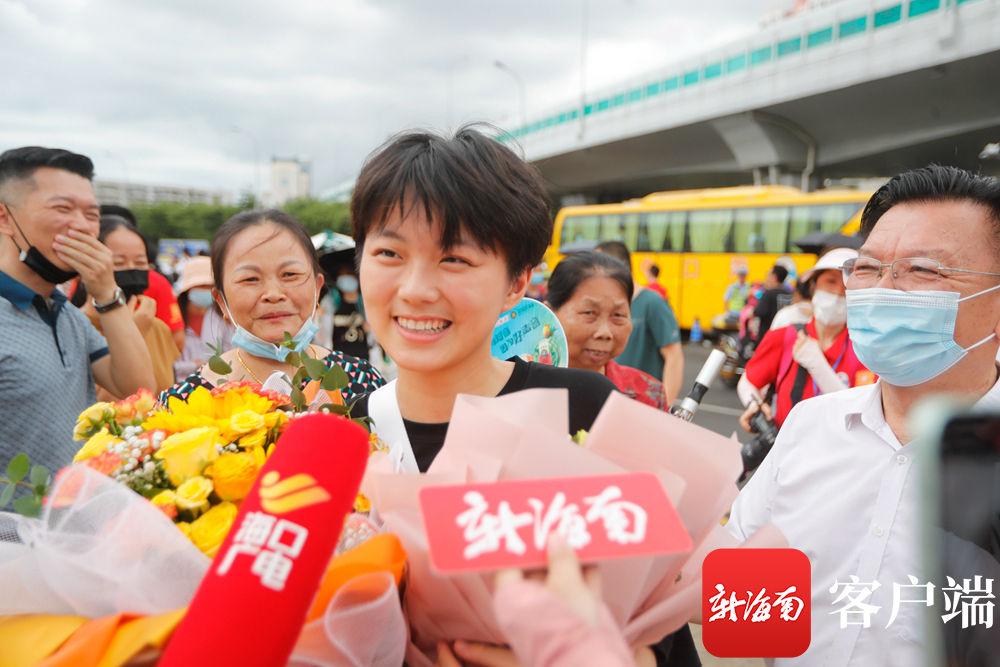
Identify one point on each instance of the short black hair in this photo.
(779, 272)
(20, 164)
(469, 182)
(616, 249)
(934, 183)
(577, 267)
(120, 211)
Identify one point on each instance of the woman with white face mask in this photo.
(801, 361)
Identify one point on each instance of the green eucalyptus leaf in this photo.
(39, 475)
(287, 341)
(335, 409)
(294, 359)
(299, 377)
(28, 506)
(335, 378)
(298, 399)
(40, 490)
(18, 467)
(314, 367)
(7, 494)
(218, 365)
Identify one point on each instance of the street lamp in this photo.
(256, 164)
(520, 87)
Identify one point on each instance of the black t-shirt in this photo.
(770, 303)
(348, 334)
(587, 392)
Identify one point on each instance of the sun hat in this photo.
(833, 259)
(197, 273)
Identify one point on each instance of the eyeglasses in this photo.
(908, 274)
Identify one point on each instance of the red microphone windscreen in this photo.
(250, 606)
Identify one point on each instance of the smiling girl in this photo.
(447, 231)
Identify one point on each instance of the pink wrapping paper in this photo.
(523, 435)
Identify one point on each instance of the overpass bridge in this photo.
(855, 88)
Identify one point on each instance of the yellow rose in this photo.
(185, 528)
(210, 529)
(234, 473)
(97, 413)
(246, 421)
(97, 444)
(193, 495)
(254, 440)
(276, 418)
(186, 454)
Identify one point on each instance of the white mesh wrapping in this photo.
(102, 549)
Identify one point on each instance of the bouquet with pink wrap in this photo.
(523, 435)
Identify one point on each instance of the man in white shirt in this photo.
(841, 482)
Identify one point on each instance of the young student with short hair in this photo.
(447, 232)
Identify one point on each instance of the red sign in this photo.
(755, 603)
(507, 524)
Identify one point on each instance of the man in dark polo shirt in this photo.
(50, 354)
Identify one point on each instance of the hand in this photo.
(806, 352)
(91, 259)
(579, 588)
(751, 410)
(143, 310)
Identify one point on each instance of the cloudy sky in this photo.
(198, 92)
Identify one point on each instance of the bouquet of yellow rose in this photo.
(195, 460)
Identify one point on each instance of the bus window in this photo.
(579, 228)
(803, 222)
(611, 227)
(834, 216)
(774, 221)
(711, 230)
(748, 233)
(657, 226)
(630, 226)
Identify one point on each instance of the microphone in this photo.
(687, 406)
(250, 607)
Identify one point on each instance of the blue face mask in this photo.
(346, 283)
(259, 347)
(200, 297)
(906, 338)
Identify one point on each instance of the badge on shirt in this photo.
(531, 331)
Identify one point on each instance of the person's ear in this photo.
(320, 281)
(6, 222)
(217, 297)
(518, 286)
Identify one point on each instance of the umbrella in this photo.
(336, 251)
(816, 242)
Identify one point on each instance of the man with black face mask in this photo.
(50, 354)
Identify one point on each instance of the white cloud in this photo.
(152, 90)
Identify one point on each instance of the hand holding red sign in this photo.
(474, 527)
(250, 607)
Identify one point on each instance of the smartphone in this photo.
(961, 542)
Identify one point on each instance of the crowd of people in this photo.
(448, 233)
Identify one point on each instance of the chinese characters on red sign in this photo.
(507, 524)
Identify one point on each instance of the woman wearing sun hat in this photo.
(801, 361)
(202, 323)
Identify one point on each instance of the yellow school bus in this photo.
(699, 237)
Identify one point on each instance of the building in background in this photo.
(290, 179)
(124, 193)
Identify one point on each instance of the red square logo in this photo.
(755, 603)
